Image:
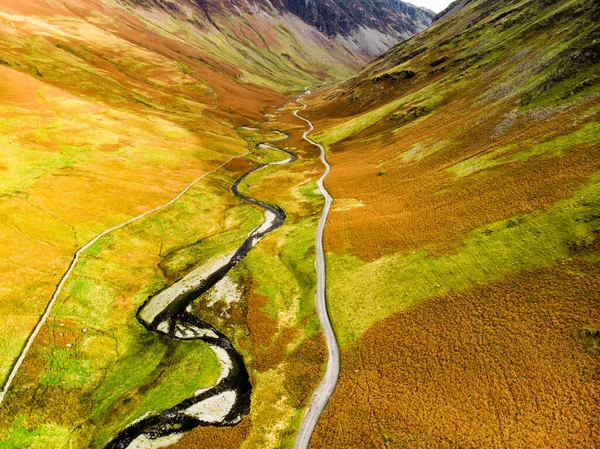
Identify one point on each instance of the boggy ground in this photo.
(462, 273)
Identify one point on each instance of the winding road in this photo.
(327, 386)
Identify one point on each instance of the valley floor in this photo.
(169, 214)
(89, 348)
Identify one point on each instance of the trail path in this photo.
(327, 386)
(72, 265)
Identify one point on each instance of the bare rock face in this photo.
(344, 17)
(452, 8)
(367, 28)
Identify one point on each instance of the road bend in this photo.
(327, 386)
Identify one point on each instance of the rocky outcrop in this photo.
(369, 27)
(451, 9)
(366, 28)
(344, 17)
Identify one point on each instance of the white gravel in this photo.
(226, 291)
(160, 302)
(213, 409)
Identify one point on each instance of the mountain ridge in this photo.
(365, 27)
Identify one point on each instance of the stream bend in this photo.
(166, 314)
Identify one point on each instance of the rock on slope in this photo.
(364, 28)
(451, 9)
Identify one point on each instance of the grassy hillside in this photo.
(462, 253)
(109, 110)
(462, 247)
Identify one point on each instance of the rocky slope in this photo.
(366, 28)
(452, 8)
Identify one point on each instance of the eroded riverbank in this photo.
(166, 314)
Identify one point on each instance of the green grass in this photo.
(26, 169)
(90, 298)
(289, 280)
(65, 369)
(267, 155)
(26, 436)
(298, 254)
(353, 126)
(181, 260)
(184, 68)
(357, 124)
(361, 293)
(153, 377)
(283, 294)
(588, 134)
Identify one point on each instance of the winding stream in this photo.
(166, 313)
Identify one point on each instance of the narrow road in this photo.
(327, 386)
